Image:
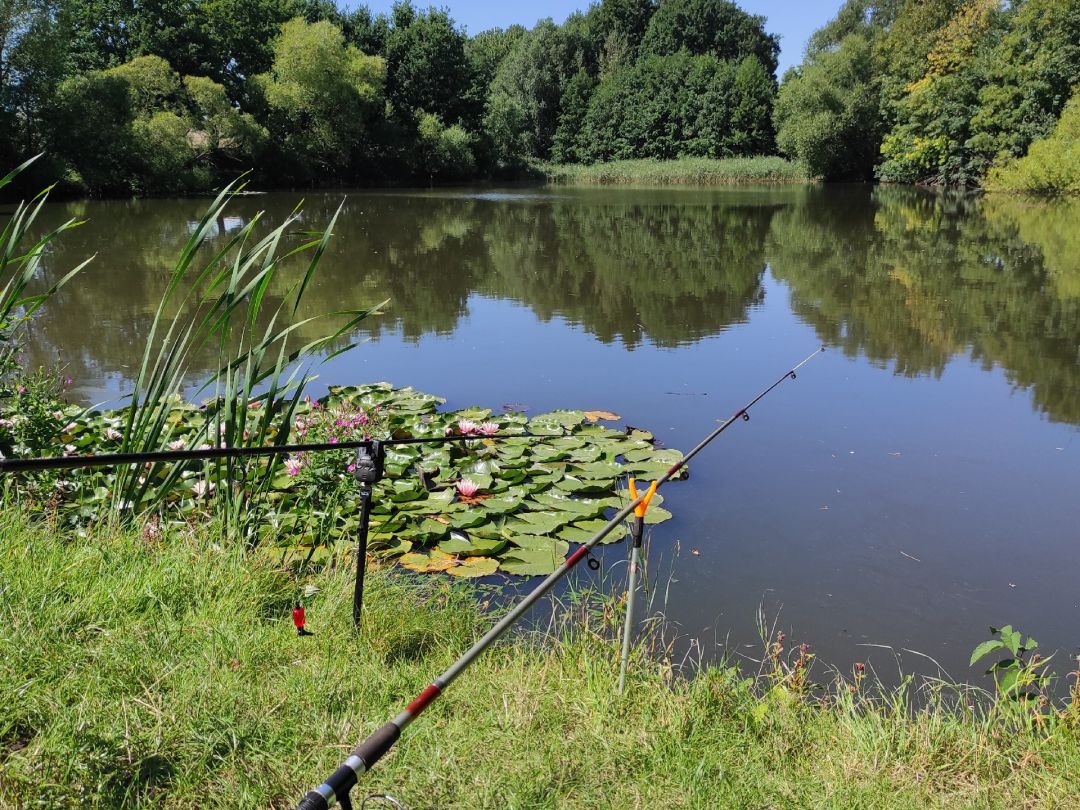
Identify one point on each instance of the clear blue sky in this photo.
(793, 21)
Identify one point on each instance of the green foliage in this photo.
(682, 172)
(1051, 165)
(827, 112)
(524, 101)
(571, 142)
(445, 151)
(716, 27)
(426, 66)
(665, 107)
(321, 97)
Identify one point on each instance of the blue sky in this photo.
(793, 21)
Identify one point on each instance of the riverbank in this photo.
(145, 670)
(682, 172)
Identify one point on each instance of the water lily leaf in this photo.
(469, 518)
(597, 470)
(532, 542)
(540, 522)
(608, 416)
(473, 546)
(427, 563)
(472, 567)
(584, 455)
(390, 547)
(586, 487)
(583, 531)
(554, 500)
(474, 414)
(502, 505)
(531, 561)
(655, 514)
(540, 428)
(638, 433)
(567, 419)
(546, 452)
(402, 491)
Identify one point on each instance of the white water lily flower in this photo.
(113, 435)
(177, 444)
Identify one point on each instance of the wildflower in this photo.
(177, 444)
(203, 489)
(113, 435)
(351, 468)
(70, 449)
(333, 440)
(7, 424)
(467, 427)
(293, 465)
(21, 389)
(57, 415)
(467, 488)
(488, 428)
(68, 381)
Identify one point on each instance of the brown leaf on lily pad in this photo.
(472, 500)
(475, 567)
(428, 563)
(607, 416)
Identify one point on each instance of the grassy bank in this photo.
(149, 671)
(682, 172)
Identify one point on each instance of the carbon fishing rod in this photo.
(210, 453)
(362, 758)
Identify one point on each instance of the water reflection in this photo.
(913, 278)
(901, 276)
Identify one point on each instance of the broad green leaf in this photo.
(985, 649)
(472, 567)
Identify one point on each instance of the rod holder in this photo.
(369, 470)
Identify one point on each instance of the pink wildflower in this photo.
(466, 487)
(293, 465)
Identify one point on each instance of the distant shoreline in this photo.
(680, 172)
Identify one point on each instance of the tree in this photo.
(1032, 72)
(568, 145)
(444, 151)
(827, 112)
(426, 67)
(716, 27)
(524, 103)
(665, 107)
(319, 99)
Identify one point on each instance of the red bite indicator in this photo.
(299, 619)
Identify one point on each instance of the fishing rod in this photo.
(368, 471)
(210, 453)
(362, 758)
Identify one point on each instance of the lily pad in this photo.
(583, 531)
(472, 567)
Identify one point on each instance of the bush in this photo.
(1051, 166)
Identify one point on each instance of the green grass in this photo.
(166, 673)
(682, 172)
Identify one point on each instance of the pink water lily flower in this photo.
(467, 488)
(203, 489)
(177, 444)
(467, 427)
(488, 428)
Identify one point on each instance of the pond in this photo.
(918, 482)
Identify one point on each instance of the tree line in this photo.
(950, 92)
(172, 96)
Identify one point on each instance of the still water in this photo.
(918, 482)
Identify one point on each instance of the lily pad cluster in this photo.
(547, 481)
(512, 497)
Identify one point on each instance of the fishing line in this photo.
(362, 758)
